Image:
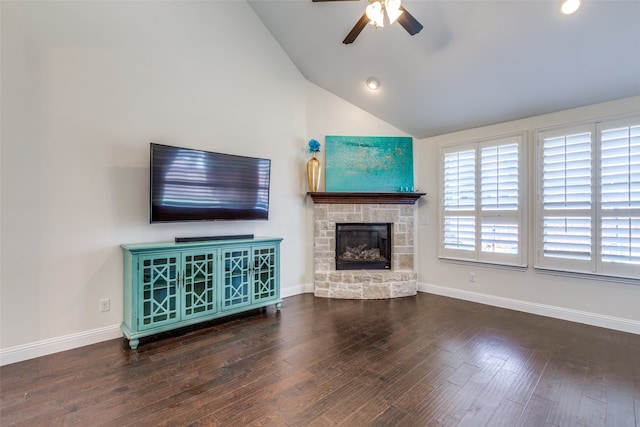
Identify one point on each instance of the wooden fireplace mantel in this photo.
(399, 198)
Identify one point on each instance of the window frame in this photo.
(517, 216)
(595, 265)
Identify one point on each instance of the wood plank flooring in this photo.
(416, 361)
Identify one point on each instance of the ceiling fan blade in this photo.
(409, 23)
(364, 20)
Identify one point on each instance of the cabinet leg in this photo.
(133, 343)
(278, 306)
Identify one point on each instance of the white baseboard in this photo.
(54, 345)
(588, 318)
(68, 342)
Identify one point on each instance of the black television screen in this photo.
(196, 185)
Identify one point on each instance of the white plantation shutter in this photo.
(499, 189)
(589, 199)
(567, 237)
(499, 238)
(621, 240)
(620, 170)
(459, 200)
(460, 180)
(620, 196)
(481, 208)
(567, 172)
(499, 198)
(566, 196)
(460, 233)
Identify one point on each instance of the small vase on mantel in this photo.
(313, 174)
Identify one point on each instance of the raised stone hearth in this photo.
(332, 208)
(365, 284)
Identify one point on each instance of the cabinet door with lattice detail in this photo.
(199, 281)
(158, 300)
(264, 274)
(236, 277)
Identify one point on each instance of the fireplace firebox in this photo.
(363, 246)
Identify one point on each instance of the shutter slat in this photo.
(459, 181)
(620, 168)
(459, 233)
(621, 240)
(567, 172)
(567, 237)
(499, 238)
(499, 177)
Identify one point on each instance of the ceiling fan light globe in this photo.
(392, 5)
(570, 6)
(374, 10)
(393, 15)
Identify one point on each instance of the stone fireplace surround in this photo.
(395, 208)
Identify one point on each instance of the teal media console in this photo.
(172, 285)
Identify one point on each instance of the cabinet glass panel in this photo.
(235, 291)
(264, 274)
(158, 293)
(199, 284)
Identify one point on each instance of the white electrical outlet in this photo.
(105, 304)
(472, 277)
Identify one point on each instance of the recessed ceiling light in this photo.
(373, 83)
(570, 6)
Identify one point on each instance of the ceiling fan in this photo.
(375, 13)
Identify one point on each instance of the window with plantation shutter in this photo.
(588, 216)
(566, 195)
(620, 194)
(460, 180)
(482, 211)
(499, 198)
(459, 200)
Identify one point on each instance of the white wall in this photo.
(85, 87)
(604, 303)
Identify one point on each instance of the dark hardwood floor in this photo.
(417, 361)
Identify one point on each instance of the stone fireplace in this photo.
(388, 216)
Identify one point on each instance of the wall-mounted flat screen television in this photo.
(196, 185)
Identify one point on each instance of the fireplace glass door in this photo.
(363, 246)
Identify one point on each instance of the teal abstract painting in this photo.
(368, 164)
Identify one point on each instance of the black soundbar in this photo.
(205, 238)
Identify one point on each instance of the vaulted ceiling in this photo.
(476, 62)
